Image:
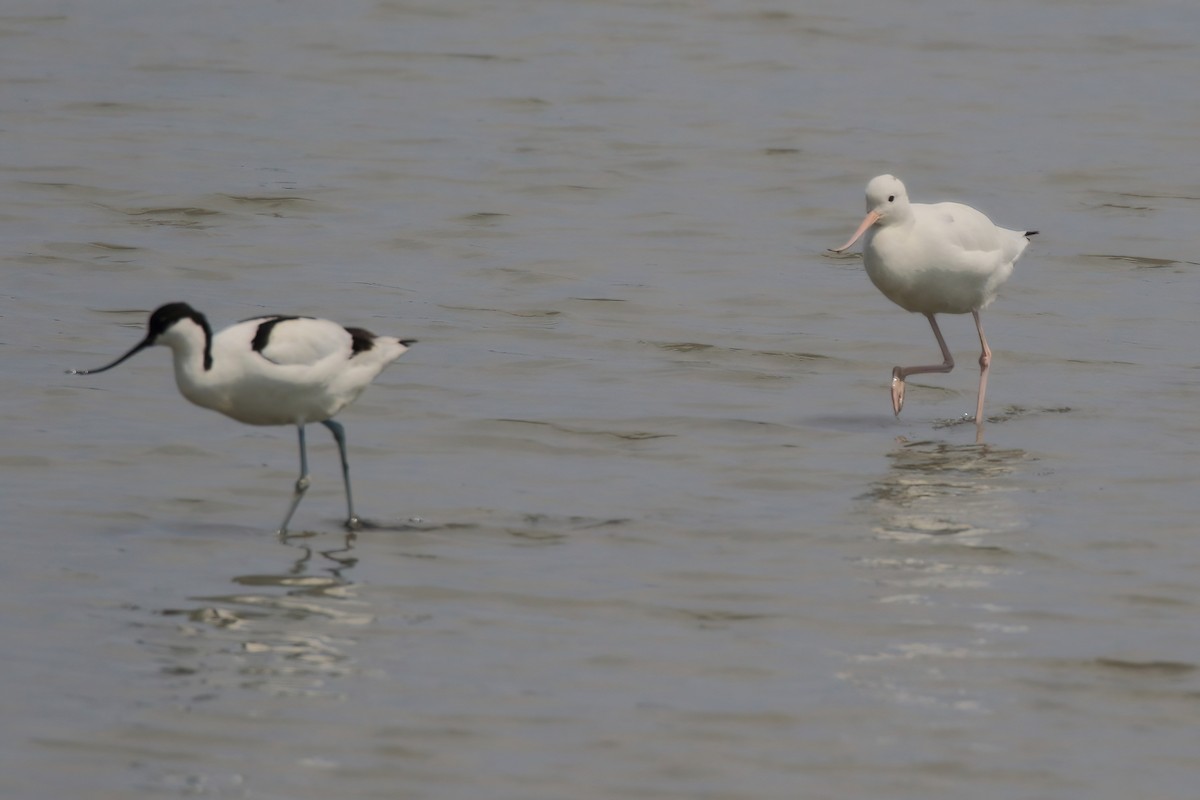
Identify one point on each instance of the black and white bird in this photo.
(272, 370)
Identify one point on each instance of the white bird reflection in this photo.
(943, 513)
(941, 489)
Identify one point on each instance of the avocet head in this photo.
(164, 319)
(887, 200)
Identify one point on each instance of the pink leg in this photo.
(900, 373)
(985, 360)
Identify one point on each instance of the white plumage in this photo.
(940, 258)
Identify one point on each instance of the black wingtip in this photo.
(1031, 233)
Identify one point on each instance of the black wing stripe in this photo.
(262, 337)
(360, 340)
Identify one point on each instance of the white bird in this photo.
(272, 370)
(940, 258)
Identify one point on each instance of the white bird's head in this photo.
(887, 201)
(166, 324)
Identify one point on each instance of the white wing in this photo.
(298, 340)
(967, 238)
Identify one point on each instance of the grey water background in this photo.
(646, 526)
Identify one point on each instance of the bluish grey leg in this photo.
(339, 435)
(301, 484)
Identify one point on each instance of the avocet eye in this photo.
(891, 198)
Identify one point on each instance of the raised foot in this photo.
(353, 524)
(897, 390)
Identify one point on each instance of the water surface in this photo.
(645, 525)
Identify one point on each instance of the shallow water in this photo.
(644, 525)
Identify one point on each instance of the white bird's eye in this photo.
(891, 198)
